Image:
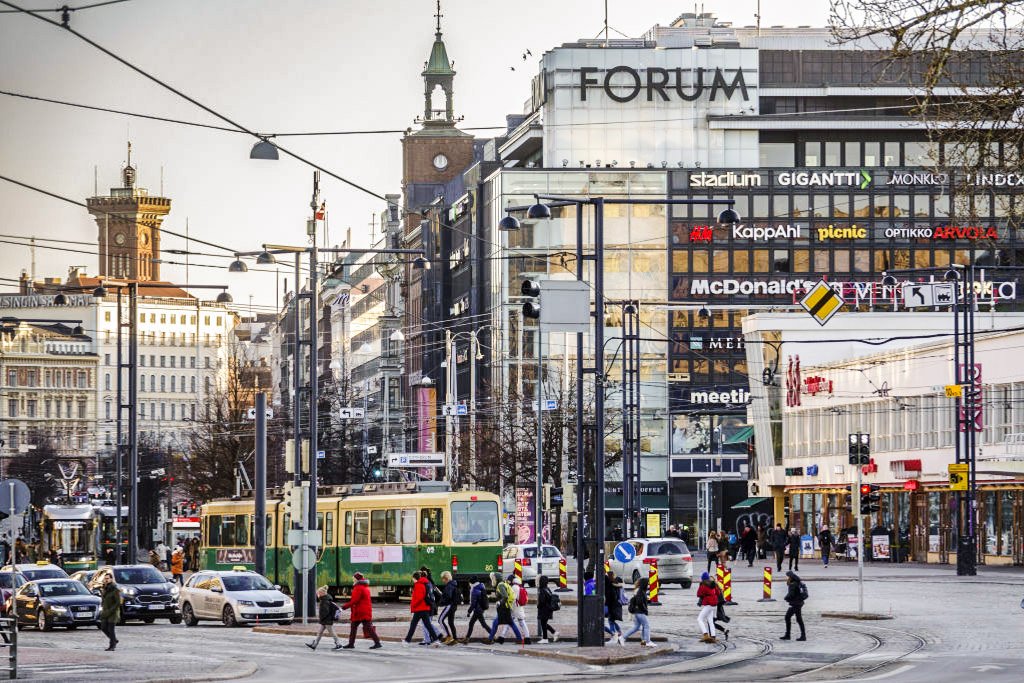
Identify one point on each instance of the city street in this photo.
(935, 634)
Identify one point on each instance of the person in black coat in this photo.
(794, 550)
(778, 541)
(612, 606)
(545, 611)
(826, 542)
(326, 609)
(796, 595)
(748, 540)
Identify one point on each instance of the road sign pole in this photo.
(860, 537)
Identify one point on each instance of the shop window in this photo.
(991, 539)
(1006, 502)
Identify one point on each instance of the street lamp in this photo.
(264, 149)
(590, 622)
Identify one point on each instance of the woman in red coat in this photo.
(420, 609)
(362, 613)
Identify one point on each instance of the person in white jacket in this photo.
(518, 610)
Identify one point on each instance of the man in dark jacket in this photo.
(478, 605)
(612, 606)
(796, 595)
(748, 539)
(361, 605)
(778, 540)
(325, 611)
(794, 550)
(451, 598)
(545, 611)
(420, 610)
(826, 542)
(110, 610)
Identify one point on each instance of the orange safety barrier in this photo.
(518, 568)
(767, 589)
(727, 587)
(653, 586)
(563, 576)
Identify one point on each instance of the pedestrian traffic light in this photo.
(531, 309)
(556, 496)
(860, 449)
(869, 499)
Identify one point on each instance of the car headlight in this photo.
(59, 609)
(287, 600)
(175, 590)
(128, 590)
(246, 603)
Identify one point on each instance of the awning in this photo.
(748, 503)
(741, 436)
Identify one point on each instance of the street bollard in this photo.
(517, 569)
(653, 586)
(563, 577)
(607, 567)
(727, 587)
(720, 577)
(767, 588)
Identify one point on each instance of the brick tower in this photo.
(129, 228)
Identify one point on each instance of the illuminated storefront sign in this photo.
(995, 179)
(834, 233)
(750, 232)
(701, 233)
(732, 397)
(917, 178)
(861, 179)
(945, 232)
(854, 293)
(624, 83)
(728, 179)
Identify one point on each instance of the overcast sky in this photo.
(274, 66)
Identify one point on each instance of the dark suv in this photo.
(146, 594)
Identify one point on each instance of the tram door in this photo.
(919, 526)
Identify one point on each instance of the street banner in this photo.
(525, 519)
(880, 547)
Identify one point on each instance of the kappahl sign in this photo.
(625, 83)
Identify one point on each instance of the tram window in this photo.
(348, 527)
(329, 529)
(287, 525)
(409, 525)
(392, 530)
(474, 521)
(320, 521)
(242, 529)
(269, 538)
(213, 524)
(378, 524)
(227, 530)
(362, 527)
(431, 525)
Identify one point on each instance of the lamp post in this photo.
(590, 621)
(452, 386)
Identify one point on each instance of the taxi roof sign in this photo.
(822, 302)
(239, 568)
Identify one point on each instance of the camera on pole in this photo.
(531, 309)
(860, 449)
(869, 499)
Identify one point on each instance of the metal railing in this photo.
(9, 634)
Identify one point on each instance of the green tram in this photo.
(385, 531)
(83, 532)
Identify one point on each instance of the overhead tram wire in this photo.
(93, 5)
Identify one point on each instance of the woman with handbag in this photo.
(712, 549)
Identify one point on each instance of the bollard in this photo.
(720, 577)
(653, 586)
(727, 587)
(767, 590)
(517, 570)
(563, 577)
(607, 567)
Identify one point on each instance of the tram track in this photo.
(857, 669)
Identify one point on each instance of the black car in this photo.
(8, 581)
(146, 594)
(56, 602)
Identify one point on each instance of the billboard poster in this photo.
(525, 520)
(880, 547)
(426, 424)
(691, 434)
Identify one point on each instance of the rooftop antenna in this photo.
(758, 17)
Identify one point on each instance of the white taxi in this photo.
(233, 597)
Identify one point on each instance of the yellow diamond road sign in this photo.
(957, 477)
(822, 302)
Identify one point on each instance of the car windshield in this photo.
(7, 578)
(61, 588)
(475, 521)
(137, 575)
(667, 548)
(550, 551)
(36, 574)
(246, 582)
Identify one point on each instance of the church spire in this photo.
(437, 72)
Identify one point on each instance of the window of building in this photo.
(12, 407)
(12, 378)
(207, 363)
(206, 320)
(30, 408)
(81, 410)
(174, 411)
(12, 439)
(192, 411)
(873, 154)
(57, 407)
(851, 154)
(192, 362)
(106, 382)
(777, 155)
(174, 383)
(142, 411)
(220, 321)
(182, 385)
(163, 411)
(106, 409)
(46, 408)
(106, 316)
(812, 154)
(174, 319)
(163, 383)
(172, 360)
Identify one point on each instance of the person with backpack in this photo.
(504, 599)
(796, 596)
(361, 605)
(522, 598)
(547, 604)
(432, 598)
(638, 608)
(420, 609)
(326, 612)
(826, 542)
(707, 600)
(451, 598)
(613, 606)
(478, 604)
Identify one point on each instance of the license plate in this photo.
(156, 607)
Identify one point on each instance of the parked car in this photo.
(84, 576)
(234, 597)
(675, 563)
(56, 602)
(8, 582)
(533, 567)
(37, 570)
(146, 594)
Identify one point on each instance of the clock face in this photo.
(440, 162)
(119, 239)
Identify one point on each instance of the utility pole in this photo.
(260, 487)
(538, 521)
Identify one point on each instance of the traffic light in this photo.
(556, 496)
(531, 309)
(860, 449)
(292, 500)
(869, 500)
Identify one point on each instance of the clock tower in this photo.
(438, 151)
(129, 221)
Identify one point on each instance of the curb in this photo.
(858, 616)
(397, 639)
(241, 670)
(601, 660)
